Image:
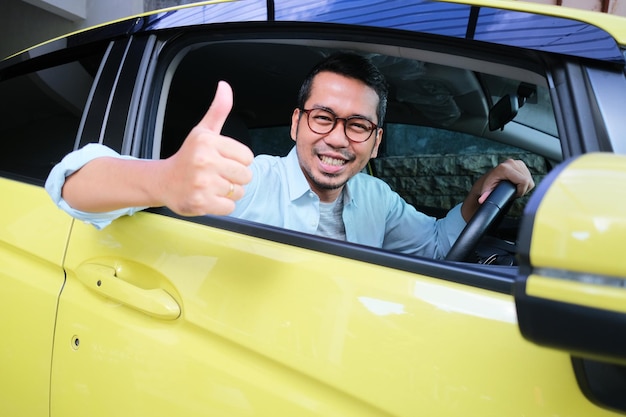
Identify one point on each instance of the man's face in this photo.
(330, 160)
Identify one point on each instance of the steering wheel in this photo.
(484, 217)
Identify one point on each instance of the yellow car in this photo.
(162, 315)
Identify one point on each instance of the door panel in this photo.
(33, 233)
(271, 329)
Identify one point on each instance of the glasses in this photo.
(356, 128)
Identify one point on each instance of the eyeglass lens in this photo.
(323, 121)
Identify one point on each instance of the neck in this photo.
(328, 196)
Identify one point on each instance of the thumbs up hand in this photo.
(207, 174)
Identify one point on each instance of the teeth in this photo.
(332, 161)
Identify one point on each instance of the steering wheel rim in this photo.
(480, 222)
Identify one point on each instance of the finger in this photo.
(221, 207)
(233, 192)
(236, 172)
(234, 150)
(522, 178)
(511, 170)
(523, 189)
(221, 106)
(484, 196)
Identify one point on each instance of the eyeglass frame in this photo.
(337, 118)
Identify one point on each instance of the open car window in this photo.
(446, 125)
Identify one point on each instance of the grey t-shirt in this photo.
(331, 220)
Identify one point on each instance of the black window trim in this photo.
(98, 106)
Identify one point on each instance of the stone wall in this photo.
(443, 181)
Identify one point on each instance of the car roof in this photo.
(613, 24)
(561, 30)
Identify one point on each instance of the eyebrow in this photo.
(328, 109)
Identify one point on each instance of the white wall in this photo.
(72, 10)
(24, 23)
(617, 7)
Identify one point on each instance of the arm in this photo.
(194, 181)
(513, 170)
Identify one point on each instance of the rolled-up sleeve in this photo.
(71, 163)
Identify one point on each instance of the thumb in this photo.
(221, 106)
(483, 196)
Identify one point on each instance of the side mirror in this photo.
(571, 290)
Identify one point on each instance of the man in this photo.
(317, 188)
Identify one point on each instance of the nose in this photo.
(337, 137)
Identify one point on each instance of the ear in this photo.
(295, 119)
(377, 139)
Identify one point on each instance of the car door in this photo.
(33, 234)
(165, 316)
(39, 119)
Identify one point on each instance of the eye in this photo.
(360, 125)
(323, 117)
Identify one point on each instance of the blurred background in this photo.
(24, 23)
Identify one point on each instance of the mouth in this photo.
(334, 162)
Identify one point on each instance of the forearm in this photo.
(471, 202)
(107, 184)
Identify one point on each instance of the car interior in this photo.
(450, 117)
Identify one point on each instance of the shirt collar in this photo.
(298, 185)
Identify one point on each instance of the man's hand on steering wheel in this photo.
(514, 171)
(489, 196)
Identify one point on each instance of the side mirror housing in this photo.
(571, 291)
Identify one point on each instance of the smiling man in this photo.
(317, 188)
(328, 156)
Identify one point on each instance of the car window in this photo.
(40, 114)
(437, 138)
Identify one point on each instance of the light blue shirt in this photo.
(71, 163)
(279, 195)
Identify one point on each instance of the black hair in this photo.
(350, 65)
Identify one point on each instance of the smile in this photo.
(332, 161)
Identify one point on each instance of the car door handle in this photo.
(103, 279)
